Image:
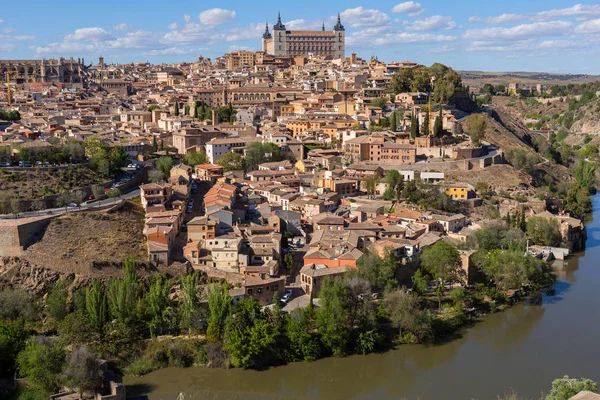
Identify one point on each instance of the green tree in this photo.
(393, 122)
(426, 127)
(584, 174)
(232, 162)
(12, 340)
(303, 345)
(114, 193)
(97, 191)
(41, 362)
(288, 260)
(154, 144)
(159, 304)
(422, 80)
(380, 272)
(164, 165)
(219, 305)
(189, 305)
(258, 153)
(402, 81)
(186, 110)
(96, 306)
(442, 261)
(565, 388)
(176, 112)
(475, 125)
(249, 336)
(331, 317)
(379, 102)
(511, 270)
(56, 302)
(196, 158)
(419, 282)
(544, 231)
(414, 126)
(403, 310)
(371, 184)
(438, 128)
(153, 107)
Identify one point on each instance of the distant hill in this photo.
(478, 78)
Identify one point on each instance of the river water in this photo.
(521, 349)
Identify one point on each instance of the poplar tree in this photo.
(176, 108)
(96, 306)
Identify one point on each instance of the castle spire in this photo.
(267, 34)
(279, 26)
(323, 27)
(339, 26)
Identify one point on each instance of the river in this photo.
(522, 349)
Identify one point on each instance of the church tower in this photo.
(266, 37)
(340, 39)
(279, 38)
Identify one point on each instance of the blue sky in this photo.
(527, 35)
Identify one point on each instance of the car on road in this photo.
(5, 164)
(286, 296)
(72, 204)
(24, 164)
(189, 209)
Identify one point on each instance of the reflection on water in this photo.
(522, 348)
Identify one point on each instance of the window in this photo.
(259, 290)
(249, 291)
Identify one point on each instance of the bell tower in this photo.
(339, 45)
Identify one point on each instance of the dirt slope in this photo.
(84, 243)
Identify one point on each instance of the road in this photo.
(82, 207)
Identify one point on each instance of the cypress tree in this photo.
(154, 144)
(426, 130)
(393, 123)
(176, 108)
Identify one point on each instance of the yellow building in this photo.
(459, 192)
(242, 58)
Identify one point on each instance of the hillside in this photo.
(479, 78)
(85, 243)
(532, 170)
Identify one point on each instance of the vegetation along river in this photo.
(522, 349)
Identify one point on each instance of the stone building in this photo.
(284, 43)
(57, 71)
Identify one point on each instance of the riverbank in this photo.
(522, 348)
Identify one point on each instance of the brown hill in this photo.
(83, 243)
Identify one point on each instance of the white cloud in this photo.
(235, 47)
(500, 19)
(1, 21)
(303, 24)
(171, 51)
(122, 27)
(443, 49)
(371, 37)
(8, 30)
(23, 37)
(591, 26)
(409, 7)
(524, 31)
(187, 18)
(578, 10)
(575, 11)
(360, 17)
(217, 16)
(93, 34)
(173, 25)
(4, 46)
(433, 23)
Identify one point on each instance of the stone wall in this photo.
(18, 234)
